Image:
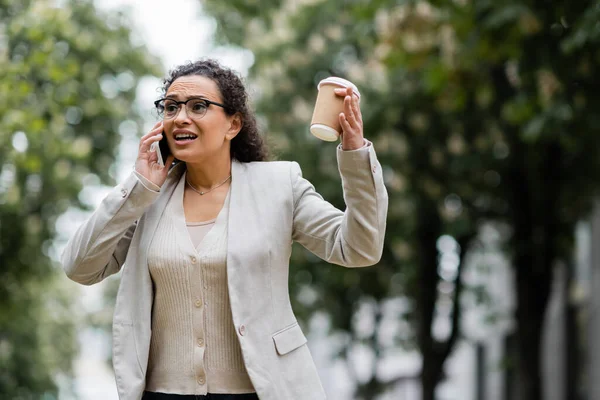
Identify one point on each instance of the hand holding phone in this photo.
(162, 150)
(154, 157)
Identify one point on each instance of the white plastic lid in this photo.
(324, 132)
(334, 80)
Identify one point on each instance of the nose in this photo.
(182, 115)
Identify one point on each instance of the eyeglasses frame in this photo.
(208, 102)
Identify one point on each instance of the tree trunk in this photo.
(537, 229)
(430, 376)
(434, 352)
(427, 233)
(532, 299)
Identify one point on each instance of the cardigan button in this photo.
(123, 193)
(242, 330)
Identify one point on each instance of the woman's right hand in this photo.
(147, 161)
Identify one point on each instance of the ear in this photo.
(235, 126)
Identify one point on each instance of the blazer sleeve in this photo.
(99, 246)
(353, 238)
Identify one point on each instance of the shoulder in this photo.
(272, 174)
(271, 168)
(269, 165)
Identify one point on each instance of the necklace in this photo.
(202, 193)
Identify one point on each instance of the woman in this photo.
(203, 309)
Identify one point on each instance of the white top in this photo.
(198, 230)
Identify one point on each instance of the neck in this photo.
(208, 173)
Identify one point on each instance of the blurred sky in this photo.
(151, 20)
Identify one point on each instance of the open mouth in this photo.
(185, 138)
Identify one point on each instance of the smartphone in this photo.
(162, 150)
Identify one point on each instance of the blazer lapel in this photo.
(238, 191)
(246, 241)
(248, 266)
(148, 225)
(157, 209)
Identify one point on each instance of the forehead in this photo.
(194, 85)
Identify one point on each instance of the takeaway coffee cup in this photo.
(325, 123)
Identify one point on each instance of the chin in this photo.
(197, 155)
(189, 156)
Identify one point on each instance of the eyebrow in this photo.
(176, 96)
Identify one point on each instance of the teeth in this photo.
(185, 136)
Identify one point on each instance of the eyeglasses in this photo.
(195, 107)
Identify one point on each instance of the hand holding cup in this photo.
(337, 113)
(350, 120)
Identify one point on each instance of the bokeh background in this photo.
(485, 116)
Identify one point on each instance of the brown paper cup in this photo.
(325, 122)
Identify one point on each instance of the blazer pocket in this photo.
(288, 339)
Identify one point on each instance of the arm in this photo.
(99, 247)
(353, 238)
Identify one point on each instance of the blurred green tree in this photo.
(480, 111)
(531, 66)
(68, 76)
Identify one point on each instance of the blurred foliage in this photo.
(68, 76)
(479, 110)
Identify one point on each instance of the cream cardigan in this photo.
(193, 348)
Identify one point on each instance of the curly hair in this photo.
(248, 145)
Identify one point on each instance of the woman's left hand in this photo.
(351, 121)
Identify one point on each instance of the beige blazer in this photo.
(271, 205)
